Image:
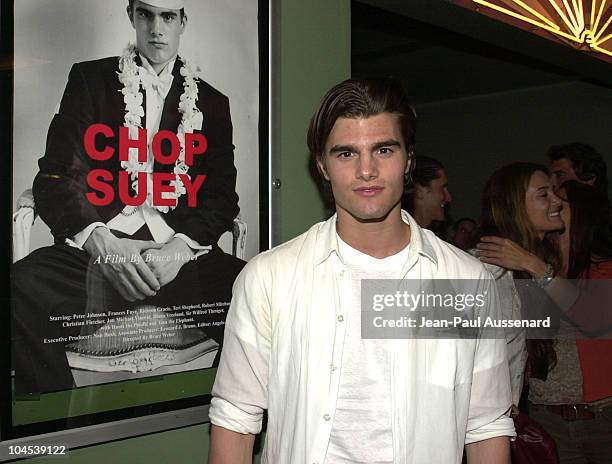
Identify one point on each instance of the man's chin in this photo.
(440, 217)
(367, 217)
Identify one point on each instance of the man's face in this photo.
(158, 32)
(434, 197)
(365, 160)
(562, 170)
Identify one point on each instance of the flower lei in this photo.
(191, 118)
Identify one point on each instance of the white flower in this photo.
(197, 120)
(191, 119)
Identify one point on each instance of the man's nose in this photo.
(156, 26)
(448, 197)
(367, 168)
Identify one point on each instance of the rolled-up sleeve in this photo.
(490, 396)
(240, 391)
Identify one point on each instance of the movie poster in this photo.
(135, 180)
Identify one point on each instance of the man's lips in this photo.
(158, 44)
(369, 191)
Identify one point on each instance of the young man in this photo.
(578, 161)
(90, 267)
(293, 342)
(428, 196)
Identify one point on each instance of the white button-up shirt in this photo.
(284, 339)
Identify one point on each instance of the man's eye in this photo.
(385, 151)
(168, 18)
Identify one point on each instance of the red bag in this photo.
(533, 444)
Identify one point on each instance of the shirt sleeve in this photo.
(590, 314)
(79, 239)
(240, 391)
(198, 249)
(490, 397)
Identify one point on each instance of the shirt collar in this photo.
(327, 241)
(166, 70)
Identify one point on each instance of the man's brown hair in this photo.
(360, 98)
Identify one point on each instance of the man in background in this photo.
(578, 161)
(463, 233)
(427, 198)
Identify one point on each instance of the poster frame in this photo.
(118, 423)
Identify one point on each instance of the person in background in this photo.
(463, 233)
(571, 395)
(574, 402)
(428, 195)
(519, 208)
(580, 162)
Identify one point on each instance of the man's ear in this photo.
(409, 162)
(321, 168)
(183, 23)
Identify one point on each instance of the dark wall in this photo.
(474, 136)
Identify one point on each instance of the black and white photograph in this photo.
(135, 185)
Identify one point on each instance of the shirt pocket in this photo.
(449, 362)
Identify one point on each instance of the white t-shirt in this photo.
(361, 431)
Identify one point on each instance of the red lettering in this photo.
(124, 189)
(89, 141)
(192, 188)
(195, 144)
(125, 143)
(97, 179)
(160, 187)
(175, 145)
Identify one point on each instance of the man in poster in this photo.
(138, 163)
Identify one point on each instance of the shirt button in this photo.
(340, 318)
(333, 367)
(342, 273)
(327, 417)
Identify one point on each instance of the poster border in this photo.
(8, 431)
(6, 182)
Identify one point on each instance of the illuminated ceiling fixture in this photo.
(586, 24)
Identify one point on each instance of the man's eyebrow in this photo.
(342, 149)
(142, 9)
(386, 143)
(148, 12)
(376, 146)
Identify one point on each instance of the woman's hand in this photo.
(505, 253)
